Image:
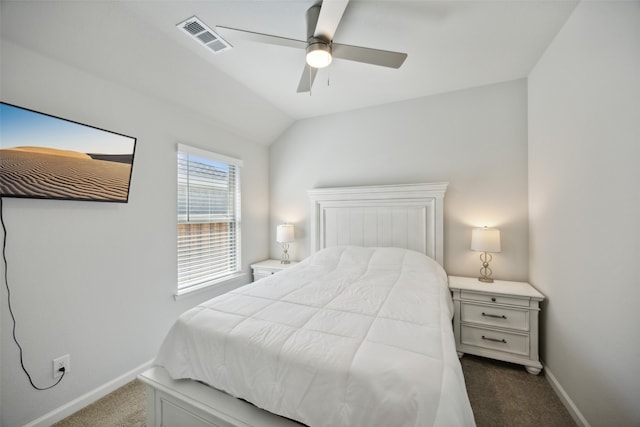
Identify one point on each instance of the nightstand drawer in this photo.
(495, 340)
(494, 298)
(259, 274)
(495, 316)
(269, 267)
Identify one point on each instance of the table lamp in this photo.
(284, 235)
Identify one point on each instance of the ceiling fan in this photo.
(322, 22)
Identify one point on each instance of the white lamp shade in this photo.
(485, 240)
(284, 233)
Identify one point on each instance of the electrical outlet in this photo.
(59, 363)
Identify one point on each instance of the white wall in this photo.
(475, 139)
(96, 280)
(584, 198)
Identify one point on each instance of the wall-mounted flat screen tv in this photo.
(47, 157)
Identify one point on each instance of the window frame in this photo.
(220, 279)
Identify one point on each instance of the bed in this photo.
(357, 334)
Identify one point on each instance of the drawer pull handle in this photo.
(494, 339)
(493, 299)
(494, 315)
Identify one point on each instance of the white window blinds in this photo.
(208, 217)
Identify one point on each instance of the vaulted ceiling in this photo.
(451, 45)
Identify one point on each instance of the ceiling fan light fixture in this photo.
(319, 55)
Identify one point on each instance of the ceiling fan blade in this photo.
(331, 12)
(307, 78)
(384, 58)
(235, 34)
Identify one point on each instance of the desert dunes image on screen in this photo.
(46, 157)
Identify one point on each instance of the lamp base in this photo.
(485, 271)
(284, 259)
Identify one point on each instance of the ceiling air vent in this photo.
(204, 35)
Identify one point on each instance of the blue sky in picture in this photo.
(21, 127)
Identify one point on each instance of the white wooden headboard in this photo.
(406, 216)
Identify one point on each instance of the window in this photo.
(208, 218)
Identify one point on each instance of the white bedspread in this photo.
(349, 337)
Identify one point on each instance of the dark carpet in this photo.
(501, 395)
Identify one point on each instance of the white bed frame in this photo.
(408, 216)
(404, 216)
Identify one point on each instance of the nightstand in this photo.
(497, 320)
(269, 267)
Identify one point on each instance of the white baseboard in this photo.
(565, 399)
(75, 405)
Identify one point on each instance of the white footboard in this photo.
(179, 403)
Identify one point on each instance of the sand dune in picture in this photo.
(49, 173)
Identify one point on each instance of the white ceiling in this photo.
(451, 45)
